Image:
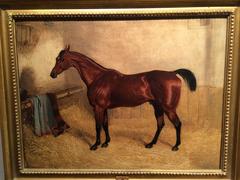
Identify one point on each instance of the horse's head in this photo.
(62, 62)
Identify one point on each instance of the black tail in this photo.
(189, 77)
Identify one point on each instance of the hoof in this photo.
(174, 148)
(104, 145)
(150, 145)
(93, 147)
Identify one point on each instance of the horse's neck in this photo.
(88, 69)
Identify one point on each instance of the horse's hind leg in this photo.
(105, 127)
(173, 117)
(160, 123)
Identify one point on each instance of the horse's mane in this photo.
(82, 56)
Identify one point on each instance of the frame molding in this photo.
(61, 4)
(9, 81)
(236, 152)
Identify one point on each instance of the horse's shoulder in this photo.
(101, 88)
(105, 79)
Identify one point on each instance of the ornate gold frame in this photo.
(10, 108)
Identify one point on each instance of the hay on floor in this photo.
(200, 148)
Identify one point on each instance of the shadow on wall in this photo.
(27, 80)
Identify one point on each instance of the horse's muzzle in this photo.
(53, 74)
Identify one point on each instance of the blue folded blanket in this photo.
(44, 119)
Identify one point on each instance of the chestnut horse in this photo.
(108, 88)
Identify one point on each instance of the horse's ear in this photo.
(67, 47)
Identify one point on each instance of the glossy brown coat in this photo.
(108, 88)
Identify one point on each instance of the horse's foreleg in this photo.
(99, 118)
(105, 127)
(160, 123)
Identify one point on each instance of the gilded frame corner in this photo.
(12, 143)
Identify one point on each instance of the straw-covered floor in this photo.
(200, 148)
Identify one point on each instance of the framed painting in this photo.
(120, 92)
